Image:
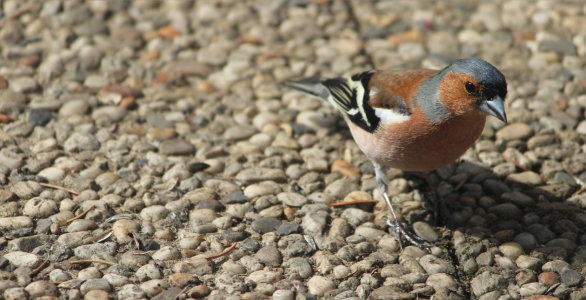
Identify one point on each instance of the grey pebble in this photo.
(425, 231)
(287, 228)
(264, 225)
(571, 277)
(487, 282)
(87, 251)
(270, 256)
(177, 147)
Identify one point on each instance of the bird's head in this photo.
(472, 85)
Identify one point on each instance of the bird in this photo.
(414, 120)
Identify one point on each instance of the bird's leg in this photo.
(382, 184)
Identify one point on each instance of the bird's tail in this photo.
(311, 85)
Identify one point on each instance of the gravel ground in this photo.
(146, 151)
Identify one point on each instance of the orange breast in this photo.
(416, 145)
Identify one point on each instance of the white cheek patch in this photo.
(388, 116)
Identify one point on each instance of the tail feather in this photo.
(312, 86)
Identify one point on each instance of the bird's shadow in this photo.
(544, 219)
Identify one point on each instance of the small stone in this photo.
(131, 291)
(41, 288)
(176, 147)
(264, 276)
(487, 282)
(95, 284)
(283, 295)
(524, 276)
(199, 291)
(533, 288)
(514, 131)
(23, 84)
(235, 197)
(96, 295)
(528, 262)
(526, 240)
(298, 267)
(356, 216)
(78, 142)
(166, 253)
(26, 189)
(571, 277)
(39, 116)
(261, 189)
(115, 279)
(23, 259)
(89, 250)
(81, 225)
(154, 213)
(270, 256)
(527, 177)
(153, 287)
(264, 225)
(74, 108)
(433, 265)
(511, 250)
(341, 271)
(287, 228)
(548, 278)
(123, 229)
(319, 285)
(340, 188)
(181, 279)
(10, 223)
(441, 281)
(261, 174)
(425, 231)
(292, 199)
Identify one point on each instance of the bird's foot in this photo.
(401, 232)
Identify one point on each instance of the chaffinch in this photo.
(416, 120)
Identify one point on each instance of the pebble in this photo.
(131, 291)
(89, 250)
(176, 147)
(528, 178)
(298, 266)
(425, 231)
(41, 288)
(292, 199)
(487, 282)
(287, 228)
(319, 285)
(261, 174)
(264, 225)
(571, 277)
(26, 189)
(528, 262)
(96, 295)
(441, 281)
(123, 229)
(433, 265)
(355, 216)
(166, 253)
(39, 116)
(270, 256)
(23, 259)
(264, 276)
(533, 288)
(153, 287)
(19, 222)
(283, 295)
(511, 250)
(514, 131)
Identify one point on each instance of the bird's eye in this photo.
(470, 87)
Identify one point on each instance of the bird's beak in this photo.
(494, 107)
